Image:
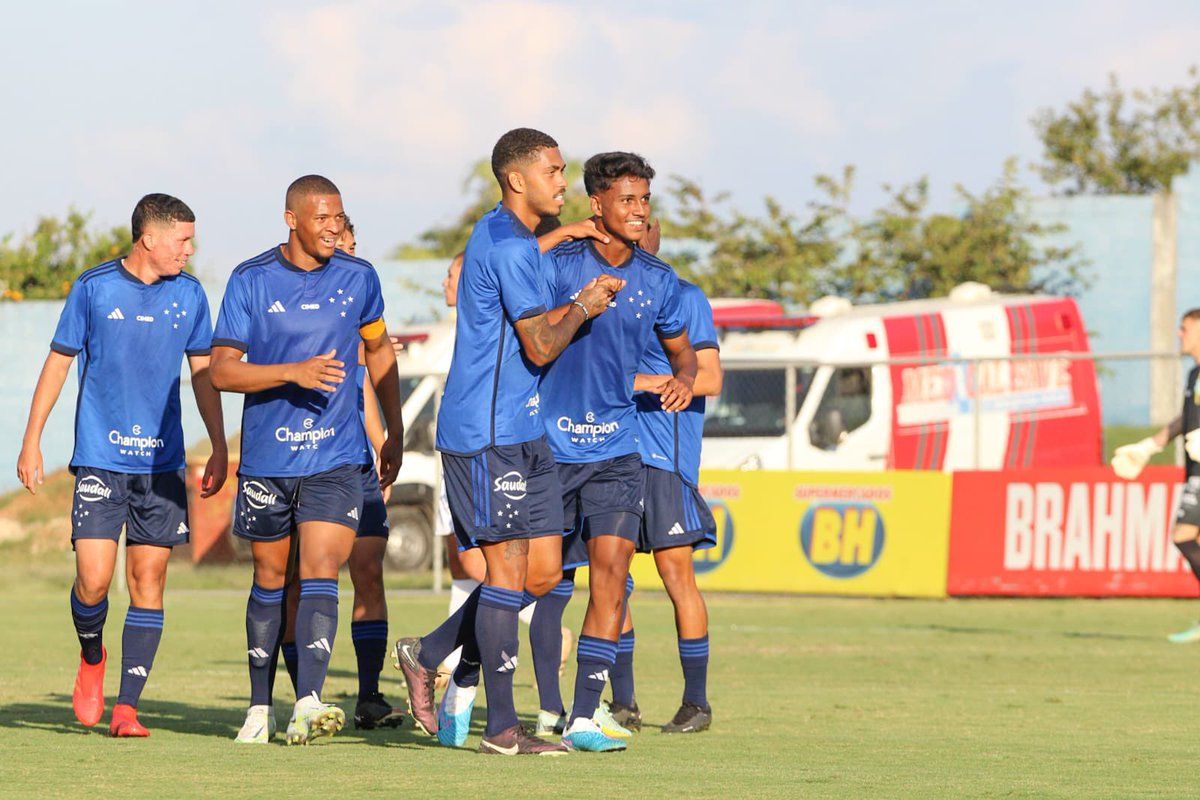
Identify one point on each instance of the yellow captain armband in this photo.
(372, 330)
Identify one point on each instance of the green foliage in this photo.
(43, 264)
(1119, 142)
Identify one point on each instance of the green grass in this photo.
(813, 697)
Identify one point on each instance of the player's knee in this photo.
(538, 582)
(90, 590)
(1182, 534)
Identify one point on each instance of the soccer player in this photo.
(303, 443)
(1128, 460)
(130, 321)
(501, 482)
(591, 417)
(677, 520)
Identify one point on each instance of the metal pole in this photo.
(439, 542)
(976, 411)
(789, 413)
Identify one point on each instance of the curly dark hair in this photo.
(602, 169)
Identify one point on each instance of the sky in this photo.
(224, 103)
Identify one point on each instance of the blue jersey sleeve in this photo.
(520, 278)
(72, 330)
(670, 322)
(233, 321)
(372, 307)
(699, 316)
(200, 341)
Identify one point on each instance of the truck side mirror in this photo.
(827, 431)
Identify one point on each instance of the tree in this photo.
(1119, 142)
(44, 263)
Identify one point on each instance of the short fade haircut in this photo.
(1191, 313)
(158, 209)
(517, 148)
(307, 186)
(604, 169)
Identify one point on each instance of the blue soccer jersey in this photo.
(587, 392)
(130, 338)
(491, 395)
(671, 440)
(277, 313)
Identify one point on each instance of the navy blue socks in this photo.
(370, 646)
(316, 626)
(496, 632)
(264, 620)
(89, 627)
(139, 643)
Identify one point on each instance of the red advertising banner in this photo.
(1066, 532)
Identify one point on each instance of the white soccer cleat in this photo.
(259, 727)
(312, 719)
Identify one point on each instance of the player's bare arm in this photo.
(545, 336)
(380, 358)
(677, 393)
(29, 463)
(208, 401)
(231, 374)
(710, 376)
(584, 229)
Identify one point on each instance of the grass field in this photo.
(813, 697)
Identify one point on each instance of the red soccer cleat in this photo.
(88, 698)
(125, 722)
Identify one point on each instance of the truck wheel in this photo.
(410, 538)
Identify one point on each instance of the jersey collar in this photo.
(283, 262)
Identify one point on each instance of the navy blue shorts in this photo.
(269, 508)
(153, 506)
(506, 492)
(676, 514)
(374, 520)
(603, 498)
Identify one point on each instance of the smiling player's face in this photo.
(317, 224)
(624, 208)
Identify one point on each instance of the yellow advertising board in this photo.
(843, 533)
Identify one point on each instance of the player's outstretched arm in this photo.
(677, 393)
(544, 337)
(29, 463)
(584, 229)
(230, 374)
(1129, 460)
(380, 359)
(208, 400)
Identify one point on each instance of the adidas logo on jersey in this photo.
(353, 514)
(257, 652)
(601, 676)
(676, 530)
(510, 663)
(276, 308)
(320, 644)
(116, 314)
(139, 671)
(182, 529)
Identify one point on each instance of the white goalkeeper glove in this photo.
(1128, 460)
(1191, 444)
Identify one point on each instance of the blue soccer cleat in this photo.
(454, 714)
(584, 735)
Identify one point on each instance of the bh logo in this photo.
(842, 540)
(708, 559)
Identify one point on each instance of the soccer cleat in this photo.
(312, 719)
(550, 723)
(125, 723)
(586, 736)
(420, 684)
(628, 717)
(374, 711)
(608, 726)
(454, 714)
(88, 697)
(690, 718)
(1192, 634)
(516, 741)
(259, 727)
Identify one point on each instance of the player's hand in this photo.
(1128, 460)
(322, 372)
(584, 229)
(398, 346)
(29, 468)
(598, 293)
(652, 239)
(676, 395)
(391, 455)
(1191, 444)
(215, 472)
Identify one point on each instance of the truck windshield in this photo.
(753, 402)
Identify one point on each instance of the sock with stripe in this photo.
(595, 658)
(693, 656)
(264, 619)
(622, 671)
(316, 626)
(290, 661)
(139, 643)
(496, 632)
(456, 631)
(545, 642)
(89, 627)
(370, 646)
